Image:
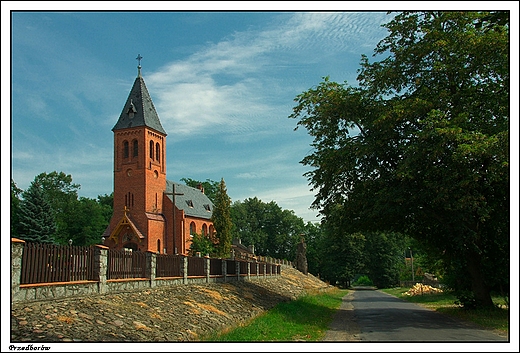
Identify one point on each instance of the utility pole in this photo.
(173, 218)
(413, 273)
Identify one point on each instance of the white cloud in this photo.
(235, 85)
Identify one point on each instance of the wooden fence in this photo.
(168, 266)
(40, 271)
(126, 263)
(47, 263)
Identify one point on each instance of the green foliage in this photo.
(82, 220)
(421, 146)
(222, 222)
(15, 208)
(36, 220)
(363, 281)
(201, 244)
(383, 256)
(273, 231)
(210, 187)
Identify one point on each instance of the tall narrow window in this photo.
(136, 148)
(192, 229)
(157, 152)
(125, 149)
(205, 230)
(158, 246)
(151, 149)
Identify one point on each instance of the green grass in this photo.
(304, 319)
(495, 318)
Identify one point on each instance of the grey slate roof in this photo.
(140, 105)
(193, 201)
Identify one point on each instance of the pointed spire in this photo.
(139, 57)
(139, 109)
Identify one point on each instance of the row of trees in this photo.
(50, 211)
(420, 146)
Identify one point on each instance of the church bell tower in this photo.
(138, 222)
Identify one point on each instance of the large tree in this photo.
(421, 146)
(36, 222)
(221, 219)
(272, 230)
(62, 194)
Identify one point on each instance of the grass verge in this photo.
(495, 318)
(304, 319)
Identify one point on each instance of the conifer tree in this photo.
(221, 219)
(36, 219)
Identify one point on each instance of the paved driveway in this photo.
(374, 316)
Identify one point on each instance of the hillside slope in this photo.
(172, 314)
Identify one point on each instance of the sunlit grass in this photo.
(304, 319)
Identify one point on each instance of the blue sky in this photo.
(223, 84)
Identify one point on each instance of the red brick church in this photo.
(145, 217)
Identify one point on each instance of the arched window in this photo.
(157, 152)
(158, 246)
(136, 148)
(151, 149)
(192, 229)
(125, 149)
(205, 230)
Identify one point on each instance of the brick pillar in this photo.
(248, 270)
(17, 246)
(101, 267)
(184, 268)
(151, 267)
(237, 266)
(207, 269)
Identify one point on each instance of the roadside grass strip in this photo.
(495, 318)
(304, 319)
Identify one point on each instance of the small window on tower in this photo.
(157, 152)
(151, 149)
(125, 149)
(136, 148)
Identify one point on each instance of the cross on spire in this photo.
(139, 57)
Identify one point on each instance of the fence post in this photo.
(207, 269)
(17, 246)
(100, 267)
(151, 267)
(184, 268)
(224, 269)
(237, 267)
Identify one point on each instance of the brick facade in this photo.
(143, 214)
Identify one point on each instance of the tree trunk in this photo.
(480, 290)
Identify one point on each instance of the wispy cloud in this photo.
(234, 85)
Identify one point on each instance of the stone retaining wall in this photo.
(42, 291)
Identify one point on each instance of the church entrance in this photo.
(132, 246)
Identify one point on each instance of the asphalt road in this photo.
(374, 316)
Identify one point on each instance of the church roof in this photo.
(139, 109)
(192, 201)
